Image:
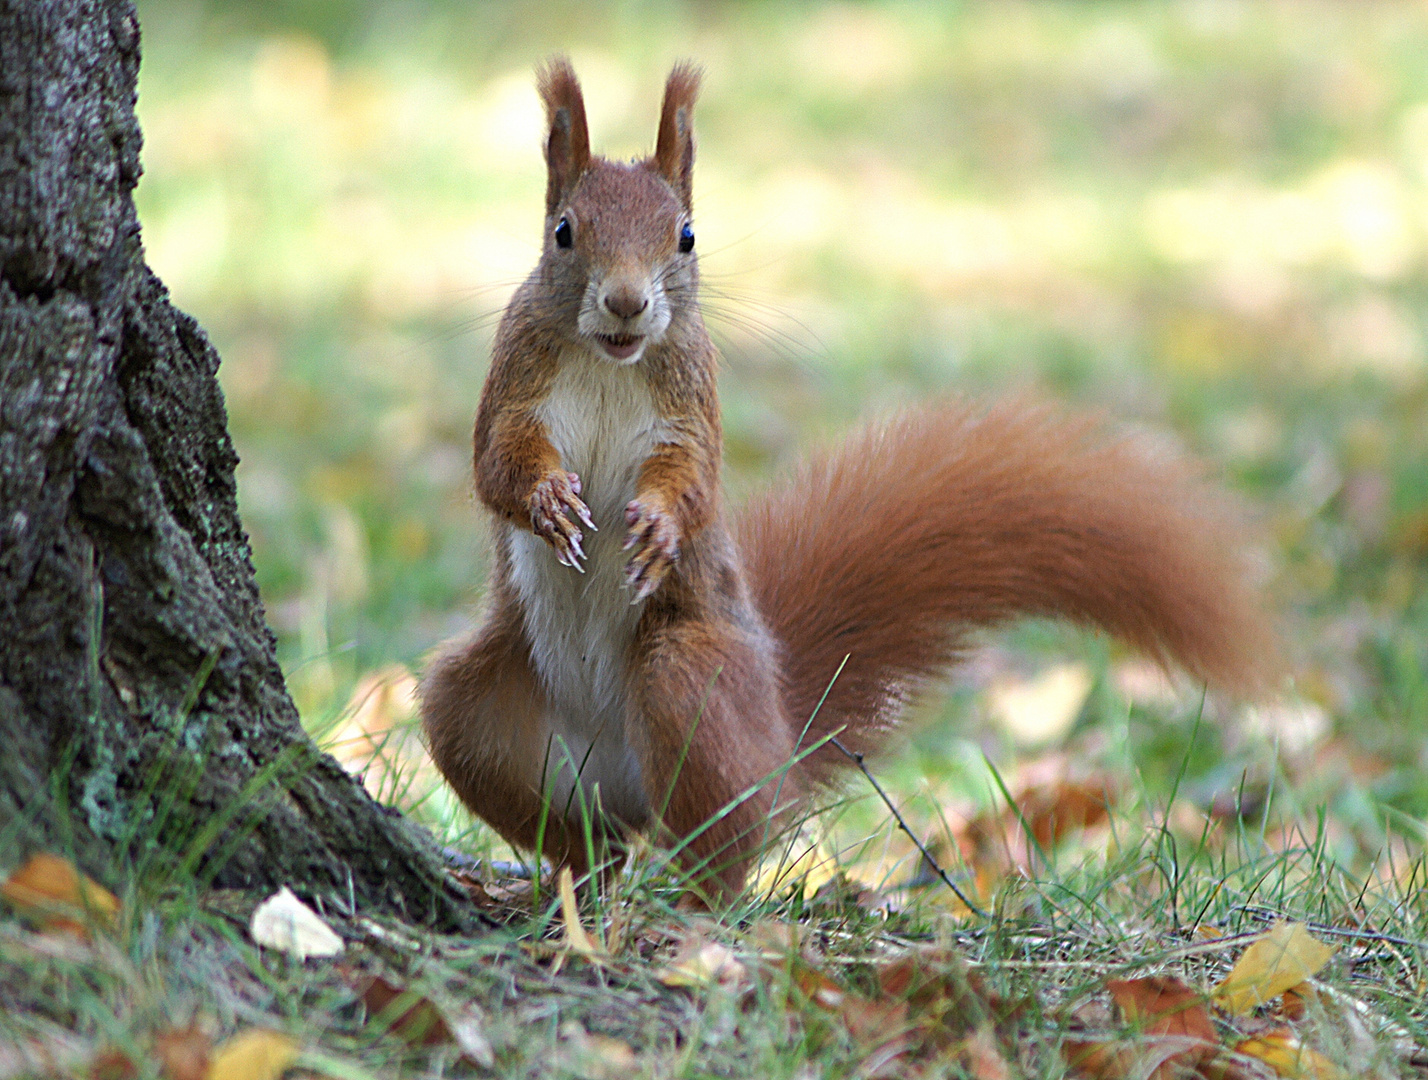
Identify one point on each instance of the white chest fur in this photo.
(601, 418)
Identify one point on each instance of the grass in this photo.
(1204, 218)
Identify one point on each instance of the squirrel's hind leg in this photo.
(482, 710)
(706, 721)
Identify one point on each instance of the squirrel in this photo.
(650, 661)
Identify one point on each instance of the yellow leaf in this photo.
(815, 866)
(54, 893)
(1287, 1056)
(575, 934)
(1284, 957)
(255, 1054)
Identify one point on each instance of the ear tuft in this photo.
(567, 143)
(674, 147)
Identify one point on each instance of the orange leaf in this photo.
(1162, 1005)
(51, 891)
(1154, 1057)
(1282, 1051)
(1054, 813)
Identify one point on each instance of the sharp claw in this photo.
(574, 541)
(583, 513)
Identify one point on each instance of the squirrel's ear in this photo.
(567, 145)
(674, 148)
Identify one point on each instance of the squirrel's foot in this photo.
(556, 506)
(654, 535)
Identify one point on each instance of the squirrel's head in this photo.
(619, 235)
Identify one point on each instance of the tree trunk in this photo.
(145, 721)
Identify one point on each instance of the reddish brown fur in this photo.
(567, 147)
(887, 551)
(674, 146)
(1016, 510)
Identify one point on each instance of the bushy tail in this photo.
(914, 532)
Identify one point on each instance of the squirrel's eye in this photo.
(563, 237)
(686, 238)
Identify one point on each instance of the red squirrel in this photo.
(652, 659)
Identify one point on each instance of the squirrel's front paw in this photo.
(556, 506)
(655, 537)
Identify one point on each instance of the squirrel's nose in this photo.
(626, 303)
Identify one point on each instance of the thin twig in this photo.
(857, 759)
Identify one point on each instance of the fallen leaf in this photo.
(598, 1056)
(815, 985)
(52, 892)
(183, 1053)
(815, 867)
(1042, 709)
(1174, 1035)
(1282, 1051)
(575, 936)
(981, 1056)
(1054, 813)
(406, 1013)
(469, 1033)
(112, 1063)
(285, 923)
(703, 963)
(1283, 958)
(417, 1019)
(1162, 1005)
(255, 1054)
(1156, 1057)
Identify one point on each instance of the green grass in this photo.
(1208, 219)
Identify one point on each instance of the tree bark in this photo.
(144, 716)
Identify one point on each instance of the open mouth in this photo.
(620, 346)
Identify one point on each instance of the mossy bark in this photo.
(143, 713)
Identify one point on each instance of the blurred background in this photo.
(1208, 218)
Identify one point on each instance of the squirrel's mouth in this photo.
(620, 346)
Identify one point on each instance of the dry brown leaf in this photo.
(111, 1063)
(995, 843)
(1174, 1035)
(1283, 958)
(255, 1054)
(1155, 1057)
(1162, 1005)
(1054, 813)
(420, 1021)
(1282, 1051)
(406, 1013)
(183, 1053)
(52, 892)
